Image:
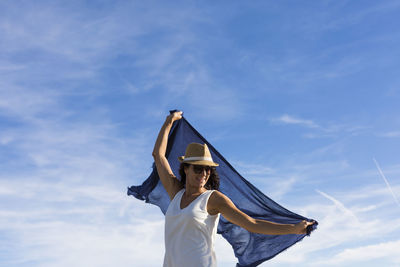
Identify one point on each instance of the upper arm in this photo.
(219, 203)
(171, 184)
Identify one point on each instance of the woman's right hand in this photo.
(177, 115)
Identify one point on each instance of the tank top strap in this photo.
(176, 201)
(204, 200)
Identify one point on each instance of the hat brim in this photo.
(198, 162)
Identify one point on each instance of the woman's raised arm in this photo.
(171, 184)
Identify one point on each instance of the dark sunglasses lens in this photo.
(199, 169)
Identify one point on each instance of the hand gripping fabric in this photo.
(250, 249)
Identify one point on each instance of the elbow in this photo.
(252, 226)
(155, 153)
(156, 156)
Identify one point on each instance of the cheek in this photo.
(186, 171)
(190, 176)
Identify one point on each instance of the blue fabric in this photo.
(250, 249)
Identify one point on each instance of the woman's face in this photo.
(197, 175)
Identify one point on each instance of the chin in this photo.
(201, 185)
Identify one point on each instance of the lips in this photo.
(203, 179)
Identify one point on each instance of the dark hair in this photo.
(212, 183)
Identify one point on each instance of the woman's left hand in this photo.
(301, 227)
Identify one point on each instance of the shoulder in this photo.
(216, 201)
(217, 196)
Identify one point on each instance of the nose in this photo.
(203, 172)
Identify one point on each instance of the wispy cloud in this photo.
(339, 205)
(357, 211)
(287, 119)
(87, 243)
(392, 134)
(361, 15)
(384, 250)
(253, 168)
(77, 87)
(339, 226)
(318, 130)
(97, 225)
(76, 48)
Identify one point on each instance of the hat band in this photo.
(197, 158)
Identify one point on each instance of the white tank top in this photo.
(190, 233)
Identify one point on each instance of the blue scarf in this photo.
(250, 249)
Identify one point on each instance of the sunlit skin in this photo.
(218, 202)
(195, 183)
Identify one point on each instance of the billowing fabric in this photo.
(190, 233)
(250, 249)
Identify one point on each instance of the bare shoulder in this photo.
(216, 201)
(217, 196)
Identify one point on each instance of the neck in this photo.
(194, 190)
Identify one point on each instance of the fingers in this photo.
(309, 227)
(177, 115)
(305, 227)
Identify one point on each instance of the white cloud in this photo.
(392, 134)
(77, 46)
(62, 189)
(287, 119)
(340, 226)
(258, 169)
(386, 250)
(67, 224)
(58, 243)
(283, 187)
(23, 103)
(328, 130)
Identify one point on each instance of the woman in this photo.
(192, 216)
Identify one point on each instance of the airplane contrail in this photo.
(386, 181)
(338, 204)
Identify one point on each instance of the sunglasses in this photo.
(199, 169)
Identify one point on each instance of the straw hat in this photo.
(197, 154)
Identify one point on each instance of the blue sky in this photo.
(301, 97)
